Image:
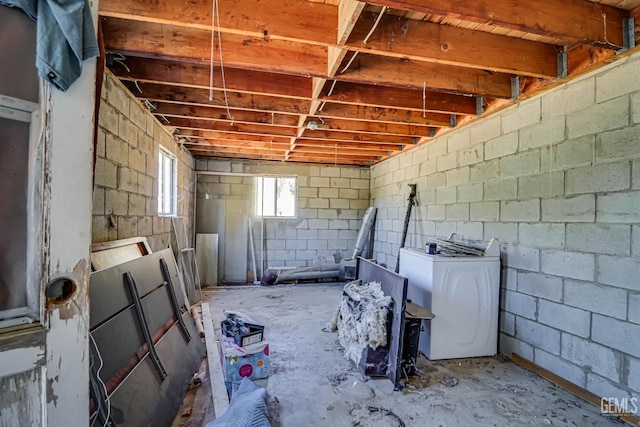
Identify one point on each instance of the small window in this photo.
(167, 183)
(276, 196)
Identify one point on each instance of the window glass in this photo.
(167, 183)
(275, 196)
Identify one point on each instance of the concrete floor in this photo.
(312, 384)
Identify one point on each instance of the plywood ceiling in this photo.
(344, 82)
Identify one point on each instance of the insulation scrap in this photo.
(362, 318)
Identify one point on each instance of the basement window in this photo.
(167, 183)
(276, 196)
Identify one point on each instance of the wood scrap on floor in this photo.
(218, 390)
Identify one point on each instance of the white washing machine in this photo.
(463, 294)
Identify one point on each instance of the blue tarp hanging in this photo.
(65, 37)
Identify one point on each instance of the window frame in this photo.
(259, 180)
(21, 110)
(165, 154)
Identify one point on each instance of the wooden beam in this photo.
(357, 137)
(442, 44)
(194, 145)
(251, 53)
(339, 125)
(351, 145)
(220, 113)
(257, 129)
(394, 97)
(162, 93)
(331, 157)
(571, 20)
(197, 75)
(387, 115)
(230, 136)
(372, 69)
(271, 19)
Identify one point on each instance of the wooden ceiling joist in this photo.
(571, 20)
(345, 82)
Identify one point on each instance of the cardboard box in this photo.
(238, 362)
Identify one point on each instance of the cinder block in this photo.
(145, 226)
(315, 181)
(635, 174)
(437, 148)
(314, 171)
(338, 224)
(317, 244)
(619, 272)
(568, 264)
(502, 146)
(634, 373)
(128, 132)
(283, 255)
(457, 212)
(570, 153)
(470, 193)
(358, 204)
(98, 201)
(137, 160)
(350, 173)
(548, 131)
(99, 229)
(350, 235)
(339, 203)
(599, 118)
(468, 231)
(521, 304)
(507, 322)
(218, 166)
(327, 193)
(618, 81)
(618, 144)
(145, 185)
(331, 172)
(308, 255)
(520, 257)
(500, 189)
(106, 174)
(436, 213)
(598, 178)
(526, 163)
(138, 116)
(538, 335)
(605, 388)
(523, 114)
(568, 98)
(358, 184)
(520, 211)
(634, 308)
(484, 171)
(412, 172)
(506, 233)
(565, 318)
(444, 229)
(540, 285)
(544, 185)
(616, 334)
(151, 208)
(446, 195)
(127, 227)
(570, 209)
(600, 238)
(592, 356)
(307, 234)
(447, 161)
(510, 345)
(483, 211)
(486, 129)
(428, 167)
(136, 205)
(337, 245)
(472, 155)
(436, 180)
(605, 300)
(109, 118)
(459, 140)
(459, 176)
(116, 202)
(292, 244)
(398, 175)
(318, 203)
(366, 195)
(346, 193)
(274, 244)
(542, 235)
(561, 367)
(619, 207)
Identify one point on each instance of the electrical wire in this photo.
(224, 84)
(366, 39)
(104, 386)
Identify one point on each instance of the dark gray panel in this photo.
(109, 294)
(394, 286)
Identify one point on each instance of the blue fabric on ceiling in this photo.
(65, 37)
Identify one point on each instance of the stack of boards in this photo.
(451, 248)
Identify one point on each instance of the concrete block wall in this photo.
(331, 204)
(557, 179)
(125, 195)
